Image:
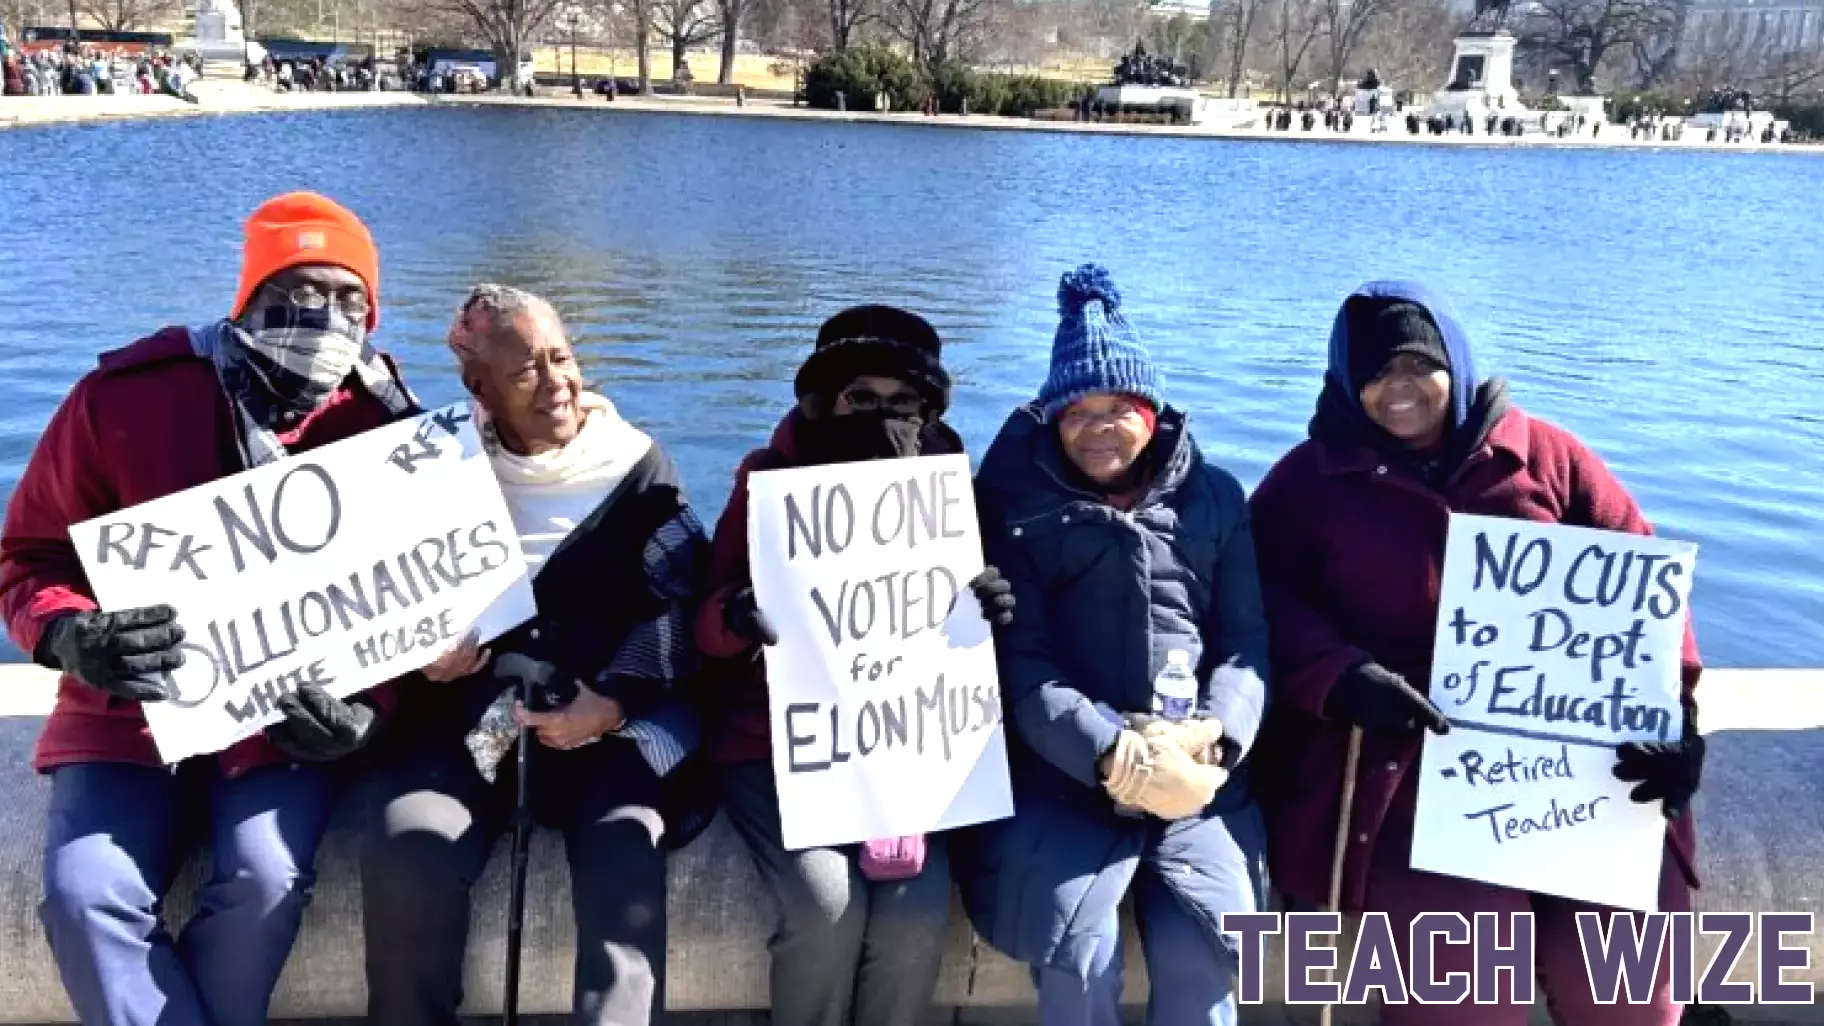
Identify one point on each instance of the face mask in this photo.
(874, 435)
(306, 353)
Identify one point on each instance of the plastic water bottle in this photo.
(1175, 689)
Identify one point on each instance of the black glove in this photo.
(995, 594)
(1666, 770)
(743, 618)
(319, 727)
(124, 654)
(1375, 698)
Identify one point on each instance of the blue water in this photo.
(1662, 305)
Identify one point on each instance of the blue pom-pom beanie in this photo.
(1095, 350)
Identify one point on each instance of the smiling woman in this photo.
(591, 682)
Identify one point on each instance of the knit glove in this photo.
(1200, 738)
(1179, 786)
(995, 594)
(1666, 770)
(319, 727)
(743, 618)
(122, 654)
(1129, 769)
(1375, 698)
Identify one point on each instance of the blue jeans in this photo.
(117, 836)
(1192, 980)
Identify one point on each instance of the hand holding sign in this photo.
(886, 708)
(124, 654)
(336, 569)
(1667, 771)
(463, 659)
(1557, 660)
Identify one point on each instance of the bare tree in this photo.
(125, 15)
(1235, 23)
(510, 28)
(684, 24)
(1410, 44)
(846, 16)
(1176, 37)
(1345, 23)
(1583, 34)
(937, 30)
(1789, 75)
(1293, 27)
(732, 13)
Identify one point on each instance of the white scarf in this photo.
(550, 493)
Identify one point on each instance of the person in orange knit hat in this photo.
(291, 369)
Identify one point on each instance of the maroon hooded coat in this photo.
(1351, 552)
(149, 421)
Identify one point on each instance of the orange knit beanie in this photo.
(305, 228)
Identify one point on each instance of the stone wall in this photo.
(1759, 814)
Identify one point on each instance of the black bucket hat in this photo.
(883, 341)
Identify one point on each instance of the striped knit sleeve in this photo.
(659, 651)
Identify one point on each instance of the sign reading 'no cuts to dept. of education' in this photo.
(1555, 645)
(886, 706)
(342, 567)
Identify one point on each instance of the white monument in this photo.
(1481, 78)
(218, 32)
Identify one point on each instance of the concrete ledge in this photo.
(1759, 812)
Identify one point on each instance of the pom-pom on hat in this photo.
(1095, 351)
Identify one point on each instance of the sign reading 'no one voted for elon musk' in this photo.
(342, 567)
(1555, 645)
(886, 706)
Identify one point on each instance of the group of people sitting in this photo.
(1113, 538)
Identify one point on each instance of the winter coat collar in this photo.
(1510, 437)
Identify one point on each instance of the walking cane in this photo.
(1324, 1017)
(522, 838)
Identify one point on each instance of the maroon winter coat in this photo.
(1351, 558)
(149, 421)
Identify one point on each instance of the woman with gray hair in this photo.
(615, 551)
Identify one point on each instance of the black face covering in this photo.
(873, 435)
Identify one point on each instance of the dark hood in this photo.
(1476, 405)
(1463, 378)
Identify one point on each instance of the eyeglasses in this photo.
(350, 299)
(866, 400)
(1076, 418)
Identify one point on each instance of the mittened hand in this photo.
(1127, 769)
(319, 727)
(995, 595)
(1199, 738)
(1375, 698)
(1180, 786)
(124, 654)
(1665, 770)
(743, 618)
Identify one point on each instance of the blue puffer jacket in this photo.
(1102, 596)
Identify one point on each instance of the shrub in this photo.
(863, 73)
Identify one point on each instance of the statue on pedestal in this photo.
(1491, 16)
(1143, 69)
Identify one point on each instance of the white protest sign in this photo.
(343, 567)
(1555, 645)
(886, 705)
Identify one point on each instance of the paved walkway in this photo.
(228, 97)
